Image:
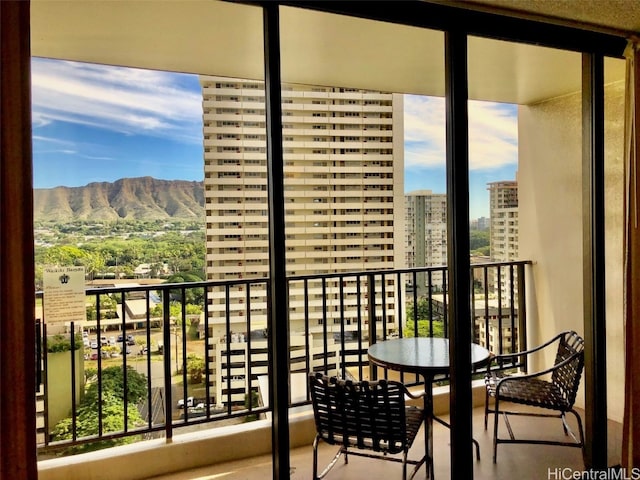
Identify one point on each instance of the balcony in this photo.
(244, 454)
(529, 462)
(333, 319)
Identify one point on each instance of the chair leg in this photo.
(329, 466)
(404, 465)
(486, 408)
(477, 445)
(581, 432)
(564, 424)
(315, 459)
(495, 429)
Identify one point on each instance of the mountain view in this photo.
(143, 198)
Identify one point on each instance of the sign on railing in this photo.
(64, 295)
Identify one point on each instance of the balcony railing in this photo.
(205, 345)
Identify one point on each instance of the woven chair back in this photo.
(366, 415)
(567, 377)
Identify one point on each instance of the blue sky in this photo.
(93, 123)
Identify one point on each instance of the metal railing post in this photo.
(166, 352)
(371, 291)
(522, 314)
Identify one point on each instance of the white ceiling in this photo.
(219, 38)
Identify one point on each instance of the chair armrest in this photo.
(414, 396)
(505, 356)
(517, 378)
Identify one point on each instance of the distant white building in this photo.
(503, 203)
(503, 198)
(142, 271)
(496, 334)
(426, 233)
(146, 270)
(344, 202)
(343, 153)
(481, 223)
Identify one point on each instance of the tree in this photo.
(175, 312)
(65, 255)
(425, 327)
(112, 410)
(68, 255)
(252, 398)
(62, 343)
(108, 305)
(77, 245)
(195, 368)
(423, 309)
(113, 381)
(479, 240)
(194, 296)
(87, 423)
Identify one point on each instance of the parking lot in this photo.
(113, 344)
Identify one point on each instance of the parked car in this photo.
(131, 340)
(190, 402)
(94, 344)
(200, 410)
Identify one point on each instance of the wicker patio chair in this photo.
(360, 416)
(554, 388)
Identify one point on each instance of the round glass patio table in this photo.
(428, 357)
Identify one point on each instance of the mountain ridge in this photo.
(137, 198)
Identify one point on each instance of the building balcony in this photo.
(242, 452)
(530, 463)
(331, 325)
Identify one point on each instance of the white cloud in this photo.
(57, 141)
(424, 131)
(155, 103)
(126, 100)
(493, 133)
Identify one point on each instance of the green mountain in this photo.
(128, 198)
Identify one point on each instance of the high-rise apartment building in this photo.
(503, 198)
(481, 223)
(503, 207)
(502, 281)
(426, 233)
(344, 203)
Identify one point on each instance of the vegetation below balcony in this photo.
(103, 403)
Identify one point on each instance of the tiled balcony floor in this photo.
(520, 462)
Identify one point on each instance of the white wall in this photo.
(550, 212)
